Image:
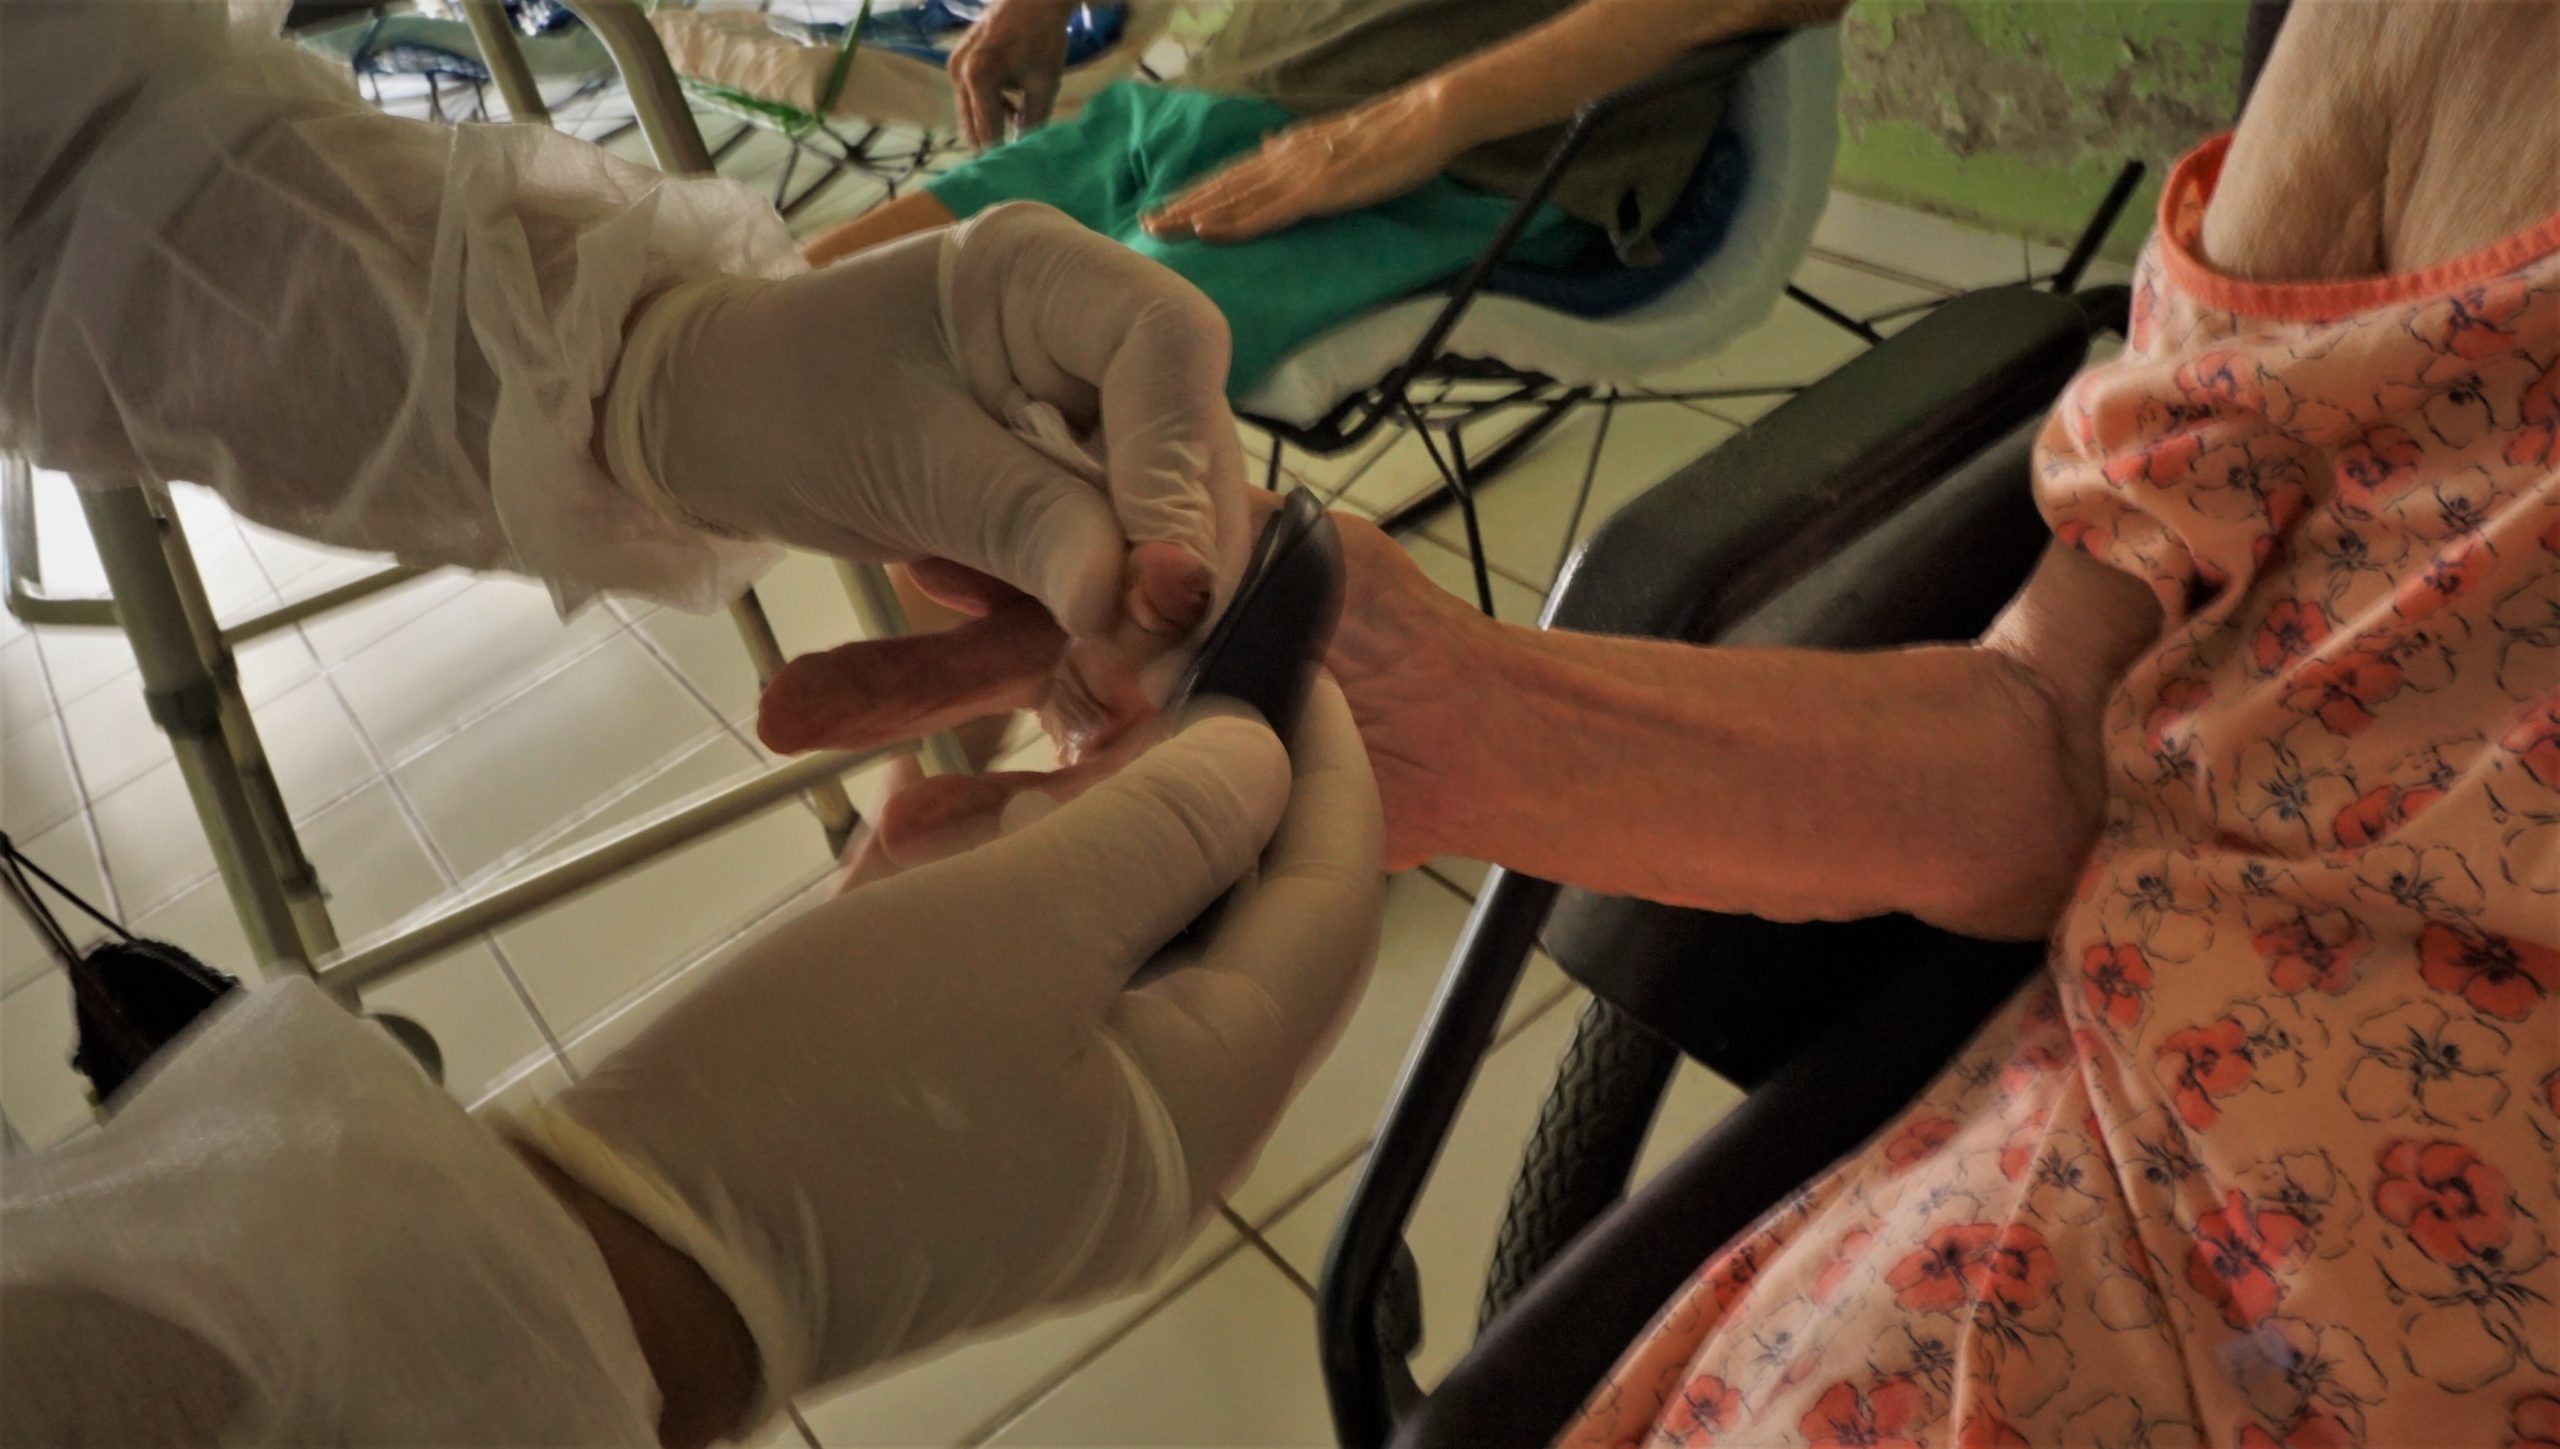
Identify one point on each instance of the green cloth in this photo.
(1134, 147)
(1320, 56)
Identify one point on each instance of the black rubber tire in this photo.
(1592, 1126)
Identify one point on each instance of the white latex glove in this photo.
(943, 397)
(939, 1102)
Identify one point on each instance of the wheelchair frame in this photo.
(1689, 560)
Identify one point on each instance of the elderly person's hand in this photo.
(1004, 71)
(1356, 158)
(944, 398)
(1404, 655)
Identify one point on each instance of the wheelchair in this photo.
(1887, 504)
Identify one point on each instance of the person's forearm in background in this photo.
(1543, 75)
(1960, 783)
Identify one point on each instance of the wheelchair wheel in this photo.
(1592, 1125)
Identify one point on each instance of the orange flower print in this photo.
(2224, 382)
(1942, 1275)
(2341, 691)
(1919, 1140)
(2447, 576)
(2499, 976)
(2018, 1150)
(2533, 1421)
(2376, 468)
(2377, 813)
(1704, 1408)
(2535, 742)
(2307, 954)
(2117, 981)
(2238, 1253)
(2476, 322)
(2454, 1206)
(2537, 443)
(1882, 1416)
(2163, 464)
(2293, 629)
(1852, 1251)
(2203, 1064)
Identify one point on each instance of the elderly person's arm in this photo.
(1957, 782)
(1398, 141)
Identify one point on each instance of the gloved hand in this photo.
(939, 1102)
(946, 397)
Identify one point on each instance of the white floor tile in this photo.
(575, 738)
(63, 852)
(43, 1098)
(1230, 1362)
(805, 597)
(77, 661)
(297, 566)
(113, 737)
(417, 683)
(338, 635)
(155, 841)
(945, 1397)
(1453, 1227)
(1792, 348)
(23, 696)
(1338, 1109)
(372, 865)
(706, 651)
(36, 791)
(1943, 251)
(590, 955)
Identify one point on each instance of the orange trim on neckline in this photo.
(2191, 185)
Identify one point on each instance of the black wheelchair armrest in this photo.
(1722, 536)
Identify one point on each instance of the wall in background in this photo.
(2017, 113)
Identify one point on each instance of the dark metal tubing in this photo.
(1686, 561)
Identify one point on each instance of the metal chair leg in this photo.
(293, 870)
(184, 699)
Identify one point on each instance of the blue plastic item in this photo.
(1693, 231)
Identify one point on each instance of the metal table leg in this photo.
(187, 699)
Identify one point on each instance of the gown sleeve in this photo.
(218, 265)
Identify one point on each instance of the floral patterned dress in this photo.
(2270, 1153)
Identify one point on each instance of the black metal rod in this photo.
(1427, 1098)
(2094, 235)
(1835, 316)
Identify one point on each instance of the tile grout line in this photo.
(408, 809)
(1030, 1398)
(87, 813)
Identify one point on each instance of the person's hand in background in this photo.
(1338, 163)
(1004, 72)
(946, 398)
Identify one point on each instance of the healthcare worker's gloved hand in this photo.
(943, 1101)
(948, 397)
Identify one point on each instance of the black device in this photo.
(1265, 648)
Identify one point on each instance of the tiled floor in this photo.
(441, 734)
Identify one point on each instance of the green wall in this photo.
(2017, 113)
